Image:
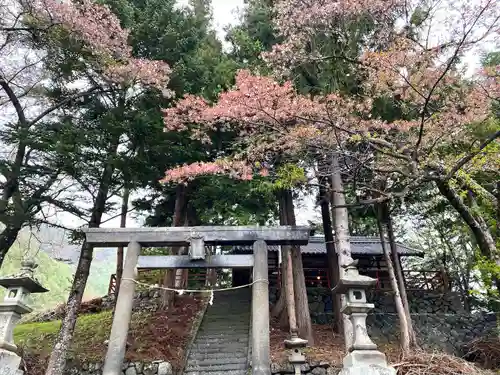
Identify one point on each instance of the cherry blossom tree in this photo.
(235, 169)
(413, 69)
(419, 73)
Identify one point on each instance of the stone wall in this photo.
(448, 332)
(164, 368)
(145, 300)
(310, 368)
(421, 302)
(439, 319)
(129, 368)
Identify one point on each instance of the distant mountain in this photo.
(55, 242)
(55, 276)
(57, 259)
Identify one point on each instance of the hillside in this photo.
(53, 273)
(55, 276)
(55, 243)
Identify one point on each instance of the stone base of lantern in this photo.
(9, 363)
(366, 362)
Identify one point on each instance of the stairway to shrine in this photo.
(221, 346)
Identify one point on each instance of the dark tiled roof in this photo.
(359, 245)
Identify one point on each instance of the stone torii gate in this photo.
(196, 238)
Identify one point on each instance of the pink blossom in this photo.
(96, 25)
(298, 21)
(99, 29)
(239, 170)
(264, 172)
(153, 73)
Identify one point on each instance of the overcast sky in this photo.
(224, 13)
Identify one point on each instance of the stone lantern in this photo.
(19, 287)
(296, 357)
(363, 357)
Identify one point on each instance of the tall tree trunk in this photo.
(498, 212)
(181, 273)
(332, 259)
(119, 250)
(472, 203)
(290, 296)
(191, 220)
(482, 235)
(210, 273)
(399, 272)
(7, 239)
(299, 282)
(479, 228)
(340, 219)
(280, 309)
(403, 322)
(12, 178)
(178, 220)
(57, 360)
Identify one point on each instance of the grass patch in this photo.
(90, 333)
(152, 336)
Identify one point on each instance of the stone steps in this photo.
(240, 321)
(234, 317)
(222, 341)
(202, 367)
(219, 335)
(214, 329)
(221, 346)
(205, 372)
(218, 355)
(216, 361)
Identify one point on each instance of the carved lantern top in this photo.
(24, 279)
(351, 279)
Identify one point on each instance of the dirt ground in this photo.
(328, 346)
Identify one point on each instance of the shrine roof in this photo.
(360, 245)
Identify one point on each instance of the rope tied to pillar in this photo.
(182, 291)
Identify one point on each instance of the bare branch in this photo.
(14, 100)
(451, 61)
(60, 104)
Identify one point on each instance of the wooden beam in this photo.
(180, 236)
(183, 261)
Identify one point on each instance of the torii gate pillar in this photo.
(123, 312)
(260, 312)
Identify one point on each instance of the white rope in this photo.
(182, 291)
